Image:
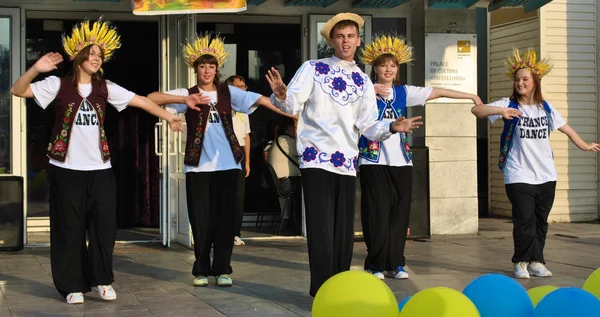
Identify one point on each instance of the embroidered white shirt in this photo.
(336, 102)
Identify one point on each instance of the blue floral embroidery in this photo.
(355, 162)
(337, 159)
(310, 154)
(322, 68)
(339, 84)
(357, 78)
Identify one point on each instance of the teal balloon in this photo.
(497, 295)
(401, 304)
(568, 301)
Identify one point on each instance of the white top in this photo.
(337, 104)
(530, 159)
(391, 152)
(281, 164)
(83, 153)
(241, 126)
(216, 152)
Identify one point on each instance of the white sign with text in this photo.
(451, 63)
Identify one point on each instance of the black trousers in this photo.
(531, 205)
(211, 212)
(329, 202)
(81, 200)
(239, 203)
(386, 193)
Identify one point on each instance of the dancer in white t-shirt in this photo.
(526, 157)
(212, 156)
(82, 183)
(386, 166)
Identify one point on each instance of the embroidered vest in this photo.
(66, 105)
(371, 150)
(506, 137)
(196, 122)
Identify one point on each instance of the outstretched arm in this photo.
(152, 108)
(191, 101)
(266, 102)
(45, 64)
(449, 93)
(577, 140)
(485, 111)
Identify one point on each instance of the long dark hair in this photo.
(81, 57)
(382, 59)
(208, 59)
(538, 99)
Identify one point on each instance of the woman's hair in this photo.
(208, 59)
(381, 59)
(538, 99)
(83, 56)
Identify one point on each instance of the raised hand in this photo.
(176, 123)
(48, 62)
(380, 90)
(510, 113)
(276, 83)
(196, 99)
(406, 124)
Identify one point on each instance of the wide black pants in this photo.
(211, 203)
(386, 193)
(329, 202)
(531, 205)
(81, 200)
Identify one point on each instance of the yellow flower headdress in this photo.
(386, 44)
(528, 60)
(205, 46)
(102, 34)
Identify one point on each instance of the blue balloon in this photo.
(401, 304)
(497, 295)
(568, 301)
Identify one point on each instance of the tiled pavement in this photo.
(271, 276)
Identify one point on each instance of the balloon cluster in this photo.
(357, 293)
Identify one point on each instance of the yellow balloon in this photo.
(354, 294)
(439, 302)
(592, 284)
(537, 293)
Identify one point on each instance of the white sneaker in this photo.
(201, 281)
(536, 268)
(521, 270)
(377, 274)
(106, 292)
(398, 273)
(75, 298)
(238, 241)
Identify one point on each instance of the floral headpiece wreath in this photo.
(387, 44)
(102, 34)
(205, 46)
(527, 60)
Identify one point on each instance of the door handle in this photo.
(156, 139)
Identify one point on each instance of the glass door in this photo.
(171, 145)
(12, 157)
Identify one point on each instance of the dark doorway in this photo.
(135, 67)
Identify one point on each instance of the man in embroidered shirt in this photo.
(336, 102)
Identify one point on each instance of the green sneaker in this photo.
(224, 280)
(201, 281)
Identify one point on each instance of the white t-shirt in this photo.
(391, 152)
(216, 152)
(530, 159)
(83, 153)
(241, 126)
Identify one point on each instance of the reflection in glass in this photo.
(5, 97)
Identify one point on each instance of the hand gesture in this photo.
(477, 101)
(176, 123)
(406, 124)
(592, 147)
(510, 113)
(381, 91)
(48, 62)
(193, 100)
(276, 83)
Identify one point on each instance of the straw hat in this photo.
(346, 16)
